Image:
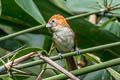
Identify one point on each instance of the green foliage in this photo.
(19, 15)
(5, 78)
(31, 9)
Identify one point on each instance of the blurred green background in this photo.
(17, 15)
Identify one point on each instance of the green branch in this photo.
(21, 32)
(38, 62)
(40, 26)
(82, 15)
(87, 69)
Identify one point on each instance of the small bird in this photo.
(63, 38)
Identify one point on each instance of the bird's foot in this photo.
(60, 55)
(77, 51)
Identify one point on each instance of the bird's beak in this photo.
(49, 25)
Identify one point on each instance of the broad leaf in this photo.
(79, 6)
(30, 7)
(0, 7)
(115, 74)
(5, 78)
(13, 14)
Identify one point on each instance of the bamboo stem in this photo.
(92, 49)
(87, 69)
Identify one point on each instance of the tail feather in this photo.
(71, 63)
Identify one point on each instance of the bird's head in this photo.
(56, 22)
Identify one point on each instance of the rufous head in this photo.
(57, 20)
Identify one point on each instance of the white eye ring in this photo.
(53, 21)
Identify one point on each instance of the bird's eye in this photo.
(53, 20)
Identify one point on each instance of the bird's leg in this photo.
(59, 54)
(52, 48)
(77, 51)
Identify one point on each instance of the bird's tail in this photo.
(71, 63)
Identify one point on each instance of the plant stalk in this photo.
(88, 50)
(87, 69)
(40, 26)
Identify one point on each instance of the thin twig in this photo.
(45, 64)
(9, 65)
(52, 63)
(13, 52)
(42, 72)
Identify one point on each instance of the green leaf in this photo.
(115, 4)
(115, 28)
(92, 57)
(81, 5)
(115, 74)
(10, 44)
(32, 40)
(28, 50)
(0, 8)
(60, 3)
(90, 76)
(30, 7)
(112, 26)
(14, 15)
(107, 22)
(5, 78)
(97, 75)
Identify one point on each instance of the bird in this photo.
(64, 39)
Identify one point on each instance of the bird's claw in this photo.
(60, 55)
(77, 51)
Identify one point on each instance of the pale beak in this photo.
(49, 25)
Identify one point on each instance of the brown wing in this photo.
(75, 40)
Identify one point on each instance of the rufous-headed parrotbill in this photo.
(63, 38)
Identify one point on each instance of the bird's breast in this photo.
(64, 40)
